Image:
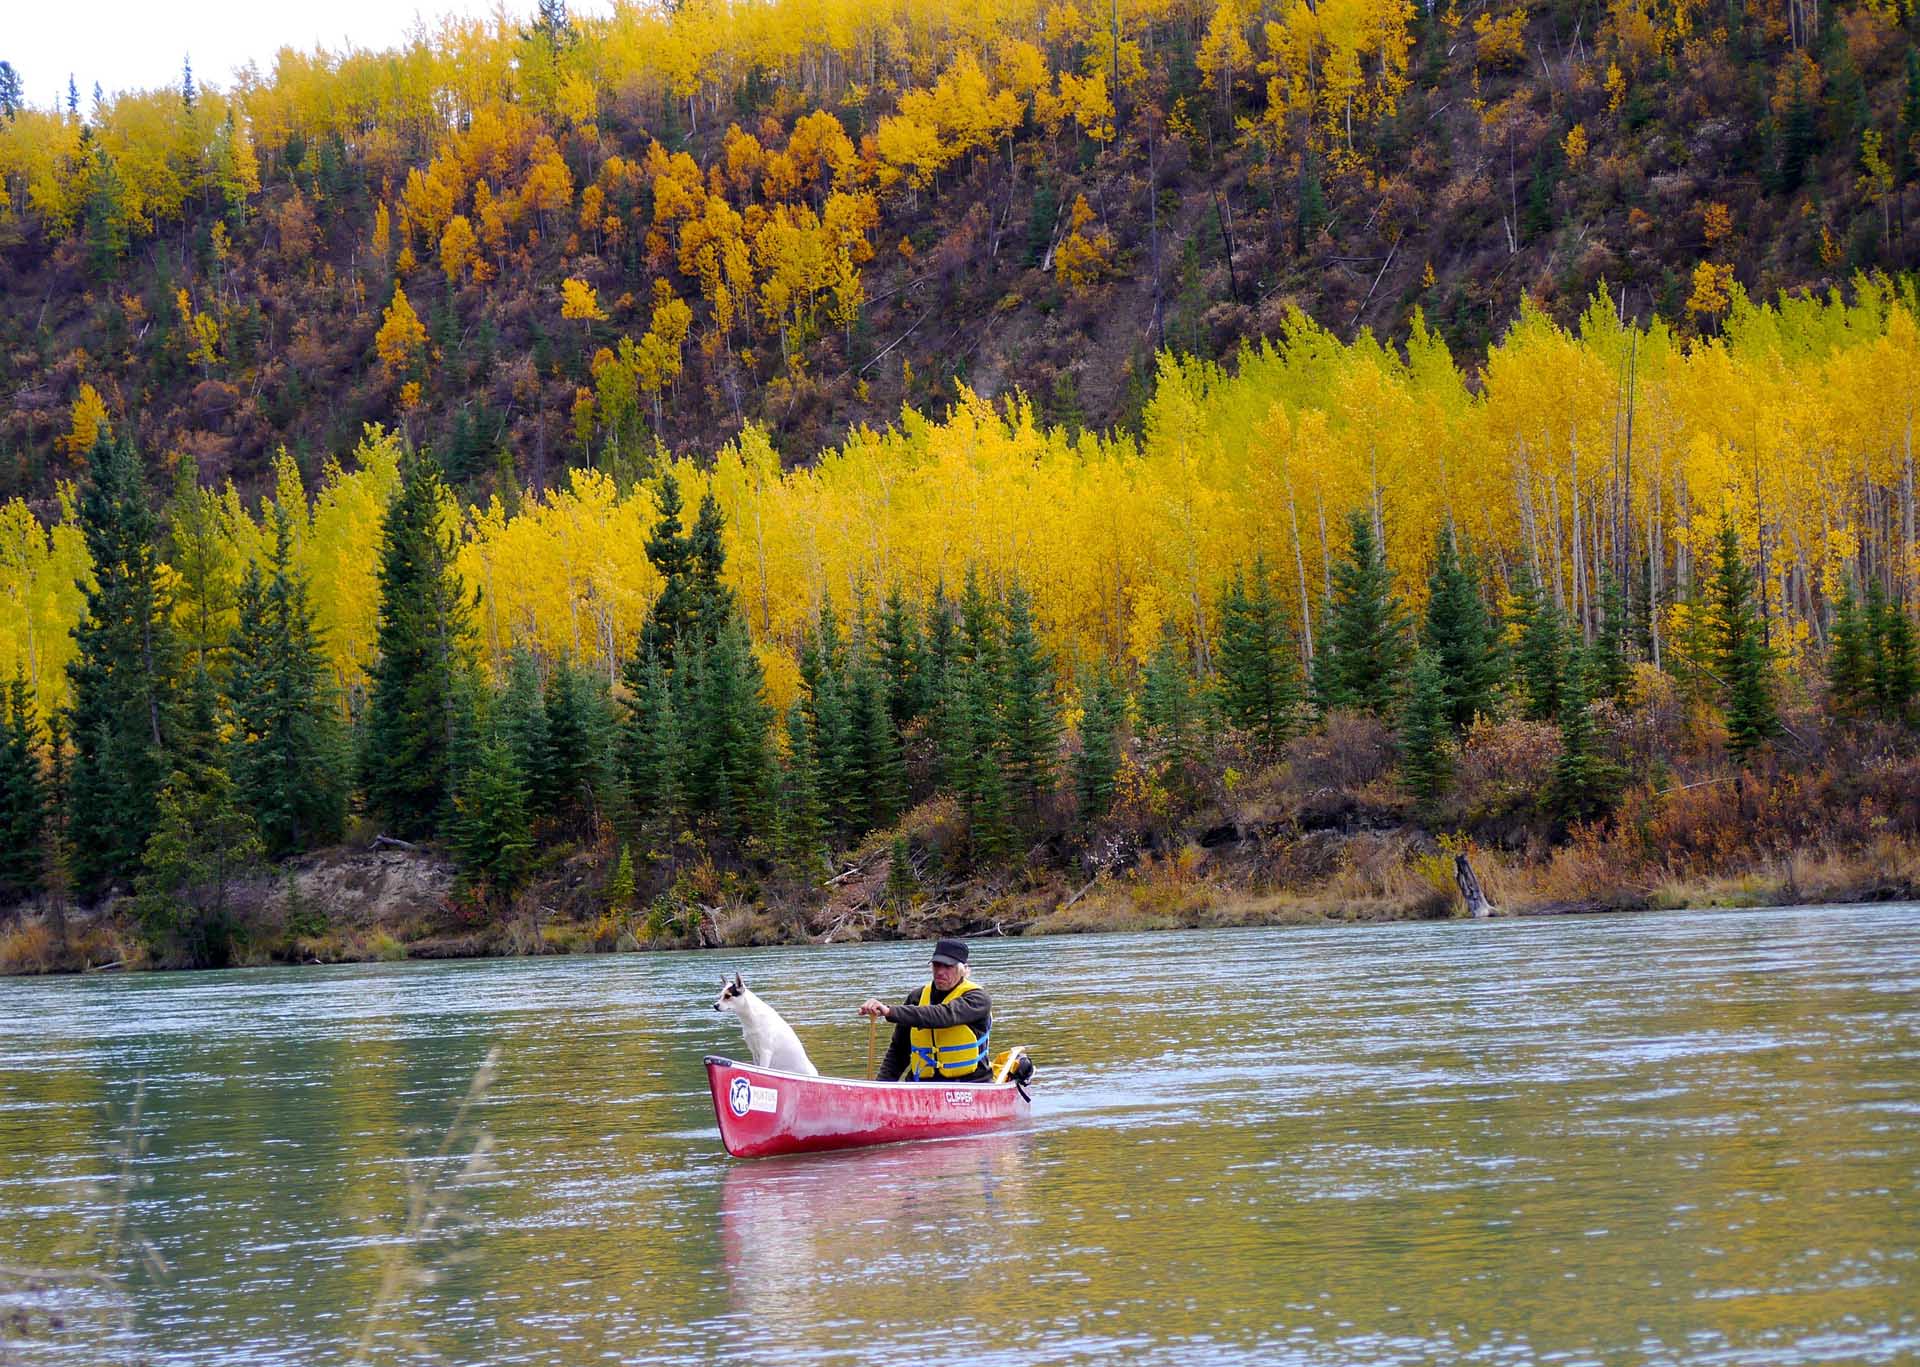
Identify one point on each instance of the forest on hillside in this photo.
(782, 471)
(1638, 612)
(541, 245)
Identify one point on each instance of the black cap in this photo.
(950, 952)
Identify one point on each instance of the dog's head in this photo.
(732, 993)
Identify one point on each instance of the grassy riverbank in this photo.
(1281, 848)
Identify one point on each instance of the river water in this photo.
(1662, 1138)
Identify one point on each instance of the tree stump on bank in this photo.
(1478, 906)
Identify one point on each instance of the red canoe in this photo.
(762, 1111)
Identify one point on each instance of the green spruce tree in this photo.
(1585, 783)
(290, 761)
(1029, 713)
(1540, 659)
(654, 756)
(1258, 686)
(1364, 650)
(203, 842)
(123, 677)
(1609, 670)
(1458, 633)
(899, 650)
(1850, 657)
(492, 828)
(1096, 767)
(23, 795)
(675, 614)
(1741, 660)
(424, 650)
(804, 833)
(1895, 673)
(1426, 723)
(1170, 708)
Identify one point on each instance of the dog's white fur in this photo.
(772, 1040)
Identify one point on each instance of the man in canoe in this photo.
(940, 1031)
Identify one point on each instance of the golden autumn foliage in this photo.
(1795, 421)
(87, 422)
(401, 341)
(1083, 259)
(580, 302)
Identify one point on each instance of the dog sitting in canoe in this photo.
(772, 1040)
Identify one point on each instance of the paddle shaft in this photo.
(873, 1030)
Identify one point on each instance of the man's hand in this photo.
(873, 1006)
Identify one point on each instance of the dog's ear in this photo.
(738, 986)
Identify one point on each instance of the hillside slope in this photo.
(389, 237)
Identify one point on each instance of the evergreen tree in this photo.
(12, 99)
(1259, 680)
(1458, 633)
(289, 765)
(577, 724)
(939, 643)
(727, 750)
(804, 832)
(969, 742)
(1799, 141)
(1895, 673)
(1363, 657)
(1850, 657)
(203, 841)
(23, 796)
(1740, 658)
(57, 853)
(831, 711)
(1170, 707)
(520, 718)
(1541, 658)
(654, 754)
(1096, 768)
(1584, 782)
(492, 837)
(979, 624)
(900, 659)
(876, 768)
(1426, 762)
(123, 676)
(1029, 715)
(675, 614)
(902, 884)
(424, 635)
(1609, 672)
(712, 602)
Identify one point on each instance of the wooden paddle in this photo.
(873, 1027)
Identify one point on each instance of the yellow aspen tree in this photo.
(1712, 289)
(87, 423)
(1574, 145)
(401, 341)
(1083, 259)
(459, 247)
(579, 301)
(1224, 56)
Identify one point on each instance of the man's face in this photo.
(946, 975)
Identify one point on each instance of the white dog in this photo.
(772, 1040)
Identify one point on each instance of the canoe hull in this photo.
(763, 1111)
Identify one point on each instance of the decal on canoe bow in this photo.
(743, 1096)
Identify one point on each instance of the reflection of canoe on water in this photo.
(762, 1111)
(812, 1242)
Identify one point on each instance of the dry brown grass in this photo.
(30, 946)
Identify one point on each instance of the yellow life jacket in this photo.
(953, 1051)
